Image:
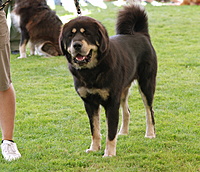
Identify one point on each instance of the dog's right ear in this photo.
(63, 47)
(62, 44)
(63, 40)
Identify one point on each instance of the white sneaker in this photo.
(9, 150)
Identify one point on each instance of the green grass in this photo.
(52, 129)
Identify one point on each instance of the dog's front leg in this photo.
(112, 115)
(93, 111)
(23, 42)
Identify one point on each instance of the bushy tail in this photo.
(132, 19)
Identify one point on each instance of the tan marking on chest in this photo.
(103, 93)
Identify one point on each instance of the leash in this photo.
(4, 4)
(77, 7)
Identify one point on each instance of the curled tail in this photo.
(132, 19)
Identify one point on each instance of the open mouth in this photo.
(80, 59)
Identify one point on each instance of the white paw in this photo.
(109, 153)
(150, 136)
(105, 155)
(90, 150)
(21, 57)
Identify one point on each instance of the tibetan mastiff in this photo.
(39, 25)
(104, 68)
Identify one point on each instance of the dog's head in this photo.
(83, 41)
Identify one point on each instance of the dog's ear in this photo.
(63, 40)
(62, 43)
(103, 38)
(63, 46)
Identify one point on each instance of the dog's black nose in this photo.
(77, 45)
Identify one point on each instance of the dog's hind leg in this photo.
(125, 113)
(93, 112)
(147, 90)
(32, 48)
(48, 49)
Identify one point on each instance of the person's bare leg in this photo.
(7, 117)
(7, 112)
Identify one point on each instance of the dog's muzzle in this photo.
(79, 55)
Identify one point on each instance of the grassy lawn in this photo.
(52, 128)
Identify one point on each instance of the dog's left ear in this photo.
(103, 38)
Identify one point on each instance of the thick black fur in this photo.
(122, 58)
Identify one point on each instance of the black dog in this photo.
(104, 68)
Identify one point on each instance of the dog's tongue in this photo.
(80, 57)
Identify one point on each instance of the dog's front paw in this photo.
(91, 150)
(95, 145)
(21, 57)
(109, 153)
(152, 136)
(106, 155)
(110, 149)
